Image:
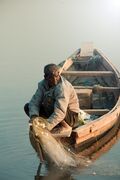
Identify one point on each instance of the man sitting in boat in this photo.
(56, 100)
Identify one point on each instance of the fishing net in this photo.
(53, 150)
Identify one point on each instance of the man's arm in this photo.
(60, 107)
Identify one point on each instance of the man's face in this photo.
(53, 78)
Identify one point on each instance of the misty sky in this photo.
(36, 32)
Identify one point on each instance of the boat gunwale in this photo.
(109, 62)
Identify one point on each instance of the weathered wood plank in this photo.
(96, 111)
(88, 73)
(99, 88)
(82, 61)
(95, 128)
(86, 49)
(85, 98)
(83, 91)
(66, 65)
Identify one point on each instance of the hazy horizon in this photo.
(34, 33)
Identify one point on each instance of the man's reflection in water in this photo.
(53, 174)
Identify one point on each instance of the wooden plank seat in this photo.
(85, 98)
(96, 111)
(98, 88)
(82, 61)
(88, 73)
(85, 101)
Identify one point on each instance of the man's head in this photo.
(51, 74)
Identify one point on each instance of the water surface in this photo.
(32, 34)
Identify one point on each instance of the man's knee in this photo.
(26, 108)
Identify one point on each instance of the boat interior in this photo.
(94, 79)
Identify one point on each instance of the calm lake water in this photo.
(32, 34)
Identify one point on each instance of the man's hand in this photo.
(42, 122)
(32, 118)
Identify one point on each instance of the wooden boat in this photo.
(97, 84)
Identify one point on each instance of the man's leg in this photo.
(64, 128)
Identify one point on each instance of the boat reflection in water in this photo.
(93, 152)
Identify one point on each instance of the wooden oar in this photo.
(68, 62)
